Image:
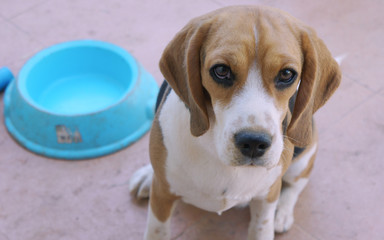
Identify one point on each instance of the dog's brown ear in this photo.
(320, 77)
(180, 65)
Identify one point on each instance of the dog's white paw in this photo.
(140, 182)
(283, 219)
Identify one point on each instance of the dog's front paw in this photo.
(140, 182)
(283, 220)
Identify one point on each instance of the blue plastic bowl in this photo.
(80, 99)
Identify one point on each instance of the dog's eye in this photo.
(222, 74)
(286, 75)
(285, 78)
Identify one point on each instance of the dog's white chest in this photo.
(212, 187)
(195, 173)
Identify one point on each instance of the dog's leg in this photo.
(156, 230)
(263, 211)
(262, 215)
(284, 214)
(143, 185)
(295, 180)
(160, 210)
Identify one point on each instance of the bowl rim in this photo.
(35, 59)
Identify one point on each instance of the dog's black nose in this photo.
(253, 144)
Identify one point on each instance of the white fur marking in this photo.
(298, 166)
(284, 215)
(262, 220)
(339, 59)
(140, 182)
(251, 102)
(156, 230)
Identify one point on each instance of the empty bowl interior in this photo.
(78, 78)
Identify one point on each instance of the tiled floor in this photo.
(41, 198)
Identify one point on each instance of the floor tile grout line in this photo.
(28, 9)
(27, 34)
(371, 94)
(9, 21)
(369, 97)
(360, 84)
(307, 233)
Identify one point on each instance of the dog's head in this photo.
(236, 70)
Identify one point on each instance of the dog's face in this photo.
(249, 88)
(237, 69)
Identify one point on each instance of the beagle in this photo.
(234, 122)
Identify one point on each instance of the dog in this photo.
(234, 119)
